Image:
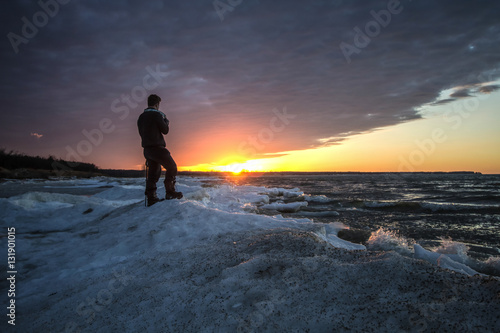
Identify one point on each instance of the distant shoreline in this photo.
(28, 173)
(15, 165)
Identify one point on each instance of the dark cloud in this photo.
(461, 93)
(469, 91)
(444, 101)
(226, 77)
(489, 89)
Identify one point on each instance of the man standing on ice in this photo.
(152, 124)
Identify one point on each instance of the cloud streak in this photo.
(37, 136)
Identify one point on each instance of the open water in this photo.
(427, 208)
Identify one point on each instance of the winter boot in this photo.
(170, 192)
(151, 199)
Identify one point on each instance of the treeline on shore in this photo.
(18, 165)
(14, 165)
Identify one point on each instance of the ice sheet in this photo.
(208, 263)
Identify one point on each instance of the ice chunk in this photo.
(442, 260)
(332, 239)
(317, 198)
(290, 207)
(285, 193)
(42, 200)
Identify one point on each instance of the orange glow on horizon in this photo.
(235, 167)
(449, 137)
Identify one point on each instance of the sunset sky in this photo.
(258, 85)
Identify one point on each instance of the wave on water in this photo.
(426, 206)
(449, 254)
(388, 240)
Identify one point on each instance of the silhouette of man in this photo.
(152, 125)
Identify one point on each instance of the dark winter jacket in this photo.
(152, 124)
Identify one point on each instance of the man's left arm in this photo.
(163, 124)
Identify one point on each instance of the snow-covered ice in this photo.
(209, 263)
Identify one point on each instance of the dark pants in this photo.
(156, 157)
